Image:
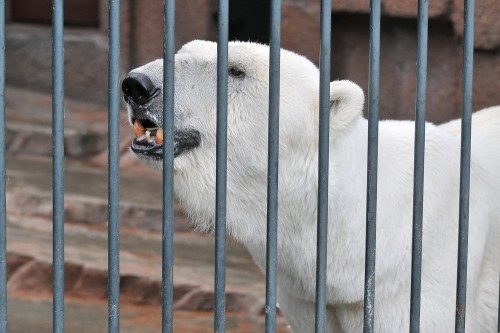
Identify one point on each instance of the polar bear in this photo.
(194, 185)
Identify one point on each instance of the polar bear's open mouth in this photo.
(149, 139)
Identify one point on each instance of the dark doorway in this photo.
(249, 20)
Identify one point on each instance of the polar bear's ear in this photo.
(346, 103)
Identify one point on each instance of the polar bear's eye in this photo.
(236, 72)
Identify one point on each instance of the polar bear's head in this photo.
(195, 105)
(248, 89)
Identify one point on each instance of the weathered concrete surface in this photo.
(29, 60)
(30, 277)
(86, 264)
(35, 315)
(29, 125)
(29, 193)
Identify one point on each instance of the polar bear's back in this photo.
(484, 215)
(441, 202)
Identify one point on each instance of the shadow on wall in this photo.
(249, 21)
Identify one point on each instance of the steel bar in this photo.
(114, 168)
(371, 202)
(3, 218)
(323, 165)
(58, 163)
(272, 174)
(221, 166)
(418, 173)
(168, 167)
(463, 222)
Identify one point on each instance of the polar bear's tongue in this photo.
(139, 130)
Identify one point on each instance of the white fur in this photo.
(195, 108)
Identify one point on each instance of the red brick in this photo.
(351, 6)
(300, 29)
(92, 283)
(137, 289)
(486, 73)
(15, 261)
(34, 277)
(142, 27)
(194, 20)
(196, 300)
(487, 24)
(72, 274)
(409, 8)
(398, 8)
(397, 66)
(203, 300)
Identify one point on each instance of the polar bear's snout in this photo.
(137, 88)
(145, 111)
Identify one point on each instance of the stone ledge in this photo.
(84, 316)
(30, 267)
(29, 125)
(29, 193)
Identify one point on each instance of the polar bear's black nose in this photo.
(138, 88)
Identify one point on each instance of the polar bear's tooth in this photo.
(159, 136)
(139, 130)
(148, 136)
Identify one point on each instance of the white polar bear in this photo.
(195, 133)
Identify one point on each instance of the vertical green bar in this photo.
(58, 163)
(371, 202)
(168, 167)
(272, 171)
(221, 167)
(114, 168)
(3, 218)
(323, 165)
(463, 222)
(418, 181)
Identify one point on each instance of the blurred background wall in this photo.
(29, 45)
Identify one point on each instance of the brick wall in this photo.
(142, 41)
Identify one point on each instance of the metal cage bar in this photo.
(3, 217)
(418, 173)
(114, 168)
(272, 160)
(168, 167)
(371, 201)
(221, 166)
(323, 164)
(58, 164)
(463, 223)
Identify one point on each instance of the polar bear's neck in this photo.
(298, 186)
(298, 174)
